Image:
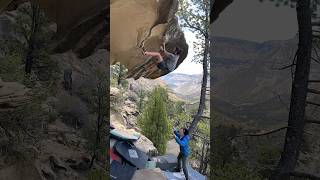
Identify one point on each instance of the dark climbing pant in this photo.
(183, 159)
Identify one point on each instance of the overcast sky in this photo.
(256, 21)
(248, 20)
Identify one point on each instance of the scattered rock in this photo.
(48, 173)
(4, 140)
(56, 164)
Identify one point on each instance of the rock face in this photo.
(81, 26)
(12, 95)
(137, 24)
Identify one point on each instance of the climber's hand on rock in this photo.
(143, 51)
(161, 48)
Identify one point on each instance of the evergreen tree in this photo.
(154, 122)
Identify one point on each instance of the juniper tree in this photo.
(154, 121)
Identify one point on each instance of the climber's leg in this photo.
(179, 158)
(184, 166)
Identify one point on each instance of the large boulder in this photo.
(137, 24)
(12, 95)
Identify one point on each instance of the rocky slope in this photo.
(60, 148)
(12, 95)
(247, 84)
(249, 89)
(81, 28)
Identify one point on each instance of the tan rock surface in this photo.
(146, 174)
(143, 23)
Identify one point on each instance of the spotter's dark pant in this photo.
(184, 160)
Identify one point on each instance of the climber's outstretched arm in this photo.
(156, 54)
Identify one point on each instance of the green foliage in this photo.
(95, 129)
(118, 75)
(98, 174)
(141, 95)
(46, 71)
(194, 15)
(267, 159)
(224, 157)
(24, 26)
(11, 68)
(232, 171)
(223, 151)
(154, 121)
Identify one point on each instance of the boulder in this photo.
(146, 174)
(137, 24)
(12, 95)
(145, 145)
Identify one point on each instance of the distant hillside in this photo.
(247, 83)
(149, 84)
(184, 86)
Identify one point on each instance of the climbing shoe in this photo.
(177, 170)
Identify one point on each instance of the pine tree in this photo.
(154, 122)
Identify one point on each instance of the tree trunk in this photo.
(32, 41)
(206, 160)
(202, 103)
(202, 161)
(296, 120)
(99, 123)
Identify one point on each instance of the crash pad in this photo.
(131, 154)
(114, 156)
(124, 136)
(121, 171)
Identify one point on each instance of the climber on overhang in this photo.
(166, 61)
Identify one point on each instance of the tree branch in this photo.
(313, 103)
(311, 121)
(194, 27)
(263, 134)
(286, 67)
(314, 59)
(315, 23)
(314, 81)
(304, 175)
(313, 91)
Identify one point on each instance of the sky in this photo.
(187, 66)
(256, 21)
(248, 20)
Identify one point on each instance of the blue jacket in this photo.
(183, 143)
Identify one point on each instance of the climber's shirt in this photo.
(170, 61)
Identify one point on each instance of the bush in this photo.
(233, 171)
(98, 174)
(154, 122)
(11, 68)
(72, 110)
